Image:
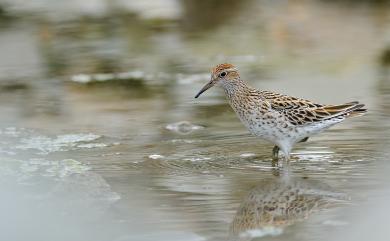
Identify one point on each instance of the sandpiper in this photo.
(280, 119)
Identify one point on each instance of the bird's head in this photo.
(222, 75)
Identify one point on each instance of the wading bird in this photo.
(280, 119)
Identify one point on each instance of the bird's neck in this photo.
(235, 88)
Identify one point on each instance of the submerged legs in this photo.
(286, 149)
(281, 167)
(275, 153)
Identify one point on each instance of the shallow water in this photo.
(101, 138)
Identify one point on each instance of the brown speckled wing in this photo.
(302, 112)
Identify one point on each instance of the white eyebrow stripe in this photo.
(231, 69)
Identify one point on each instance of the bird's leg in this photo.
(304, 139)
(276, 167)
(275, 153)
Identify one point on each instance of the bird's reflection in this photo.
(278, 202)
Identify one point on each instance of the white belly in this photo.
(272, 127)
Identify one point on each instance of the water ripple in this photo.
(183, 127)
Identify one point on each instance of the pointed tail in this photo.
(351, 109)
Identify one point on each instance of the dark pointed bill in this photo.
(206, 87)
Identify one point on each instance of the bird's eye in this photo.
(223, 74)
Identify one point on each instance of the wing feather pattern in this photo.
(303, 112)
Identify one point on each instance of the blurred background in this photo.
(102, 139)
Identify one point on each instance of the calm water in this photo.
(101, 138)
